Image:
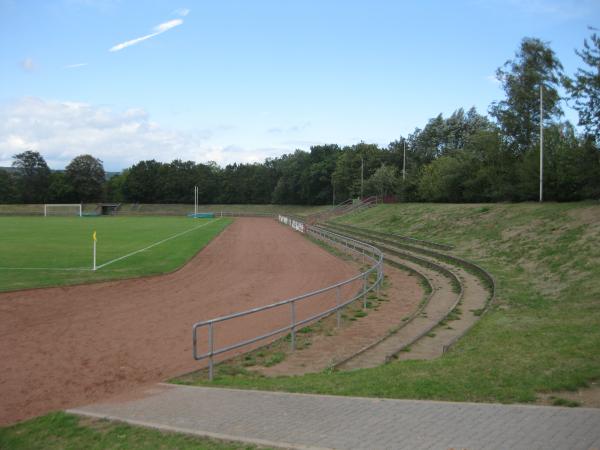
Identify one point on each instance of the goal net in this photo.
(71, 209)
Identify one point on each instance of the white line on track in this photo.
(154, 245)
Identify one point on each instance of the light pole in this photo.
(362, 172)
(541, 142)
(333, 184)
(404, 162)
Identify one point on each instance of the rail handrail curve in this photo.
(348, 245)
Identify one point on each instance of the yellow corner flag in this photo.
(94, 236)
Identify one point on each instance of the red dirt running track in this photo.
(68, 346)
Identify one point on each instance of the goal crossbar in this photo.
(63, 205)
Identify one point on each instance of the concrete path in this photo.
(319, 421)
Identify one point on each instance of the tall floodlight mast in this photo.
(362, 173)
(541, 142)
(404, 162)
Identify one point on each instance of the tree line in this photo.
(465, 157)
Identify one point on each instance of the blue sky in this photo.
(244, 80)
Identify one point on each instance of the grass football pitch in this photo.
(51, 251)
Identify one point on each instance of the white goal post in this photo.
(66, 209)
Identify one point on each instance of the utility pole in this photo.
(333, 183)
(362, 173)
(541, 142)
(404, 162)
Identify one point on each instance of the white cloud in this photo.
(61, 130)
(181, 12)
(159, 29)
(75, 66)
(28, 65)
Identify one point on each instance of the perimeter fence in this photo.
(245, 328)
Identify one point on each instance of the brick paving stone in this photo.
(319, 421)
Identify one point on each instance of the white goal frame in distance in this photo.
(78, 205)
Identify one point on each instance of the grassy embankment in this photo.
(60, 431)
(542, 333)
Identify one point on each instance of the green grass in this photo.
(542, 334)
(61, 431)
(66, 242)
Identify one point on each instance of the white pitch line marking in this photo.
(155, 244)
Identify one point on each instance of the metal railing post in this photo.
(195, 342)
(338, 313)
(293, 325)
(351, 245)
(365, 290)
(211, 345)
(379, 280)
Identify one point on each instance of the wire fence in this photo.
(211, 338)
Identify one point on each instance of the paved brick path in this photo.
(315, 421)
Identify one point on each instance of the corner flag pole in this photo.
(94, 239)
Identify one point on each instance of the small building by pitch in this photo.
(107, 209)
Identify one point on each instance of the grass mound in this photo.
(541, 334)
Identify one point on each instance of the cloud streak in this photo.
(182, 12)
(75, 66)
(159, 29)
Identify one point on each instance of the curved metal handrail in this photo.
(349, 245)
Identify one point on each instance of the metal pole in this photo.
(404, 162)
(194, 342)
(362, 170)
(210, 351)
(541, 143)
(293, 326)
(337, 302)
(365, 291)
(333, 201)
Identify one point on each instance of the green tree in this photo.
(207, 178)
(351, 161)
(443, 136)
(9, 192)
(178, 181)
(444, 179)
(86, 176)
(143, 182)
(585, 88)
(60, 189)
(33, 176)
(383, 182)
(113, 189)
(535, 65)
(491, 174)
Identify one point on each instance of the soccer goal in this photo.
(69, 209)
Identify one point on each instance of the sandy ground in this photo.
(68, 346)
